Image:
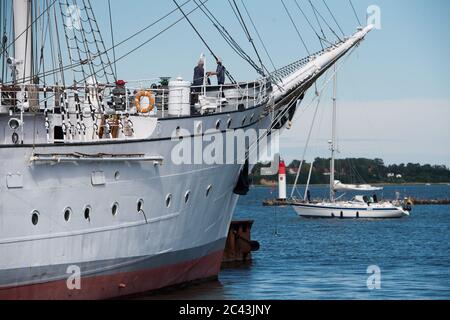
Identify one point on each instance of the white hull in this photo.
(106, 244)
(349, 212)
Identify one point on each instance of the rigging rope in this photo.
(149, 26)
(317, 12)
(307, 144)
(63, 68)
(112, 35)
(29, 26)
(295, 26)
(244, 26)
(318, 21)
(228, 38)
(27, 45)
(59, 52)
(354, 11)
(334, 18)
(259, 36)
(68, 39)
(310, 24)
(203, 40)
(282, 114)
(196, 31)
(98, 41)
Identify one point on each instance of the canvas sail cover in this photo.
(339, 186)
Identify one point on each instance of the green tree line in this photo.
(358, 171)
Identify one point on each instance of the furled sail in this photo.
(339, 186)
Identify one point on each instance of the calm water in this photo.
(328, 259)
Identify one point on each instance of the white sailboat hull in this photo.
(349, 212)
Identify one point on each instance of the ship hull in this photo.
(169, 226)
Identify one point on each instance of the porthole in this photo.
(187, 196)
(168, 200)
(15, 138)
(208, 190)
(67, 214)
(116, 175)
(218, 123)
(244, 120)
(140, 205)
(115, 209)
(199, 128)
(229, 122)
(35, 218)
(87, 213)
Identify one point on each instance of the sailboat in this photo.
(91, 190)
(361, 206)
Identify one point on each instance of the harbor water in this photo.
(329, 259)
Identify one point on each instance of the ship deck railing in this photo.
(81, 114)
(101, 98)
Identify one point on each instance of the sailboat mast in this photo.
(333, 139)
(22, 64)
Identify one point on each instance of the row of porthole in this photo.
(115, 207)
(68, 213)
(219, 122)
(230, 121)
(187, 196)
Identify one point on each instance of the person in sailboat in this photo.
(220, 72)
(375, 198)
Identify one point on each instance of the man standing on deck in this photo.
(220, 72)
(199, 73)
(197, 82)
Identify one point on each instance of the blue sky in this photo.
(394, 92)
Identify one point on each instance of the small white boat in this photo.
(358, 207)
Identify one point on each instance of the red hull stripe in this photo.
(50, 273)
(120, 284)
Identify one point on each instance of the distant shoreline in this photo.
(373, 184)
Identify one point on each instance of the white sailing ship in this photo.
(89, 182)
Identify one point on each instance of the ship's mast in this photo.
(333, 139)
(22, 62)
